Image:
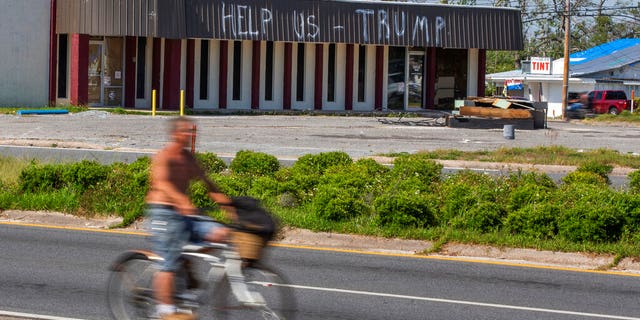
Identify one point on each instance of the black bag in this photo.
(254, 218)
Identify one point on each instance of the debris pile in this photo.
(495, 112)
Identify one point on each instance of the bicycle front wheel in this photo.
(278, 296)
(129, 290)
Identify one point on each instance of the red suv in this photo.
(608, 101)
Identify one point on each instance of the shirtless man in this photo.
(168, 206)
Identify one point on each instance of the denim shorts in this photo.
(170, 231)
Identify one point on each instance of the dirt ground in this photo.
(357, 243)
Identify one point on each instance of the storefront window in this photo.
(451, 77)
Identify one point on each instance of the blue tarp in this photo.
(515, 86)
(42, 111)
(602, 50)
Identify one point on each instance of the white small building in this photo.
(613, 65)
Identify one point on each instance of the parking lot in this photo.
(288, 136)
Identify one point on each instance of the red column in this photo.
(348, 90)
(224, 68)
(482, 70)
(317, 94)
(286, 86)
(255, 75)
(79, 69)
(171, 74)
(130, 72)
(53, 54)
(379, 77)
(190, 73)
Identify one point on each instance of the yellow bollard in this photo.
(181, 103)
(153, 102)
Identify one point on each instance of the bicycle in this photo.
(210, 274)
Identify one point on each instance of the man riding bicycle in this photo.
(169, 207)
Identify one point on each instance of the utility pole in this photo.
(565, 75)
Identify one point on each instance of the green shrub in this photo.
(297, 183)
(417, 166)
(464, 190)
(634, 181)
(406, 209)
(593, 224)
(584, 177)
(265, 187)
(602, 170)
(483, 216)
(200, 195)
(356, 176)
(319, 163)
(338, 204)
(233, 185)
(528, 194)
(84, 174)
(210, 162)
(254, 163)
(537, 220)
(49, 177)
(121, 194)
(519, 178)
(371, 167)
(41, 178)
(590, 213)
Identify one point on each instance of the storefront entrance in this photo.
(414, 82)
(105, 71)
(405, 79)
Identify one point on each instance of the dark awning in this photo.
(360, 22)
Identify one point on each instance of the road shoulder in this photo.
(369, 244)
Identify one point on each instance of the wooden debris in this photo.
(496, 113)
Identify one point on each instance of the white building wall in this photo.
(278, 76)
(143, 103)
(245, 78)
(339, 72)
(472, 72)
(309, 74)
(369, 82)
(24, 34)
(212, 101)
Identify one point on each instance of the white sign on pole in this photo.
(540, 65)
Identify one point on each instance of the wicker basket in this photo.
(249, 245)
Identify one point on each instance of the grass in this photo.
(549, 155)
(10, 169)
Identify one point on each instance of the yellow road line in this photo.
(356, 251)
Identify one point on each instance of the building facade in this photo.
(272, 55)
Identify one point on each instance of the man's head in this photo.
(181, 130)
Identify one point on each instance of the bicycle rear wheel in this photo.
(280, 303)
(129, 293)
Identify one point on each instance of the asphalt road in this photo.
(62, 273)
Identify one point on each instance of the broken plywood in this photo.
(495, 112)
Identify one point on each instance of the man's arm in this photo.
(216, 195)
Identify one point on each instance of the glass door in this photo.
(396, 78)
(112, 72)
(95, 73)
(105, 72)
(415, 73)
